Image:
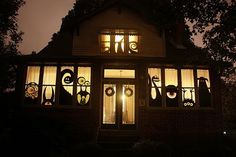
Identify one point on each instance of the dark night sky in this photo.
(39, 19)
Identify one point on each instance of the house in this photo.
(112, 73)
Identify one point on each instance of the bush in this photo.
(148, 147)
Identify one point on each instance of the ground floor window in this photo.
(58, 85)
(175, 87)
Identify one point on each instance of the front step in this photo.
(113, 140)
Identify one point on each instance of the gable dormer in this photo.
(118, 30)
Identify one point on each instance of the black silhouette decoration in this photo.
(83, 96)
(133, 47)
(188, 102)
(31, 93)
(171, 96)
(204, 94)
(119, 47)
(48, 102)
(65, 97)
(157, 101)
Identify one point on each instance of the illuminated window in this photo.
(119, 73)
(83, 85)
(204, 88)
(133, 44)
(32, 85)
(171, 85)
(154, 86)
(49, 85)
(188, 92)
(105, 43)
(119, 42)
(66, 85)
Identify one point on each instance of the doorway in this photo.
(118, 105)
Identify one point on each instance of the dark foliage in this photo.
(229, 107)
(10, 38)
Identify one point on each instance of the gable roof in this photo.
(73, 20)
(62, 42)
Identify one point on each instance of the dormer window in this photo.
(119, 42)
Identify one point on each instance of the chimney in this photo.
(177, 40)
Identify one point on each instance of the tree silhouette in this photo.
(10, 38)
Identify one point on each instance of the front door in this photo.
(118, 111)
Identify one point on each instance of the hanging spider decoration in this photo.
(31, 90)
(109, 91)
(83, 96)
(188, 102)
(128, 92)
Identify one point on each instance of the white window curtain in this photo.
(187, 80)
(171, 77)
(49, 85)
(33, 74)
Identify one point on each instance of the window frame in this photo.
(57, 86)
(112, 33)
(179, 86)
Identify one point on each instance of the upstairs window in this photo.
(119, 42)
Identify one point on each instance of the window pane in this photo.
(83, 85)
(49, 76)
(133, 44)
(204, 88)
(205, 75)
(119, 43)
(105, 43)
(32, 74)
(119, 73)
(154, 84)
(49, 85)
(48, 95)
(188, 92)
(66, 85)
(128, 104)
(109, 103)
(187, 78)
(171, 83)
(32, 84)
(171, 77)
